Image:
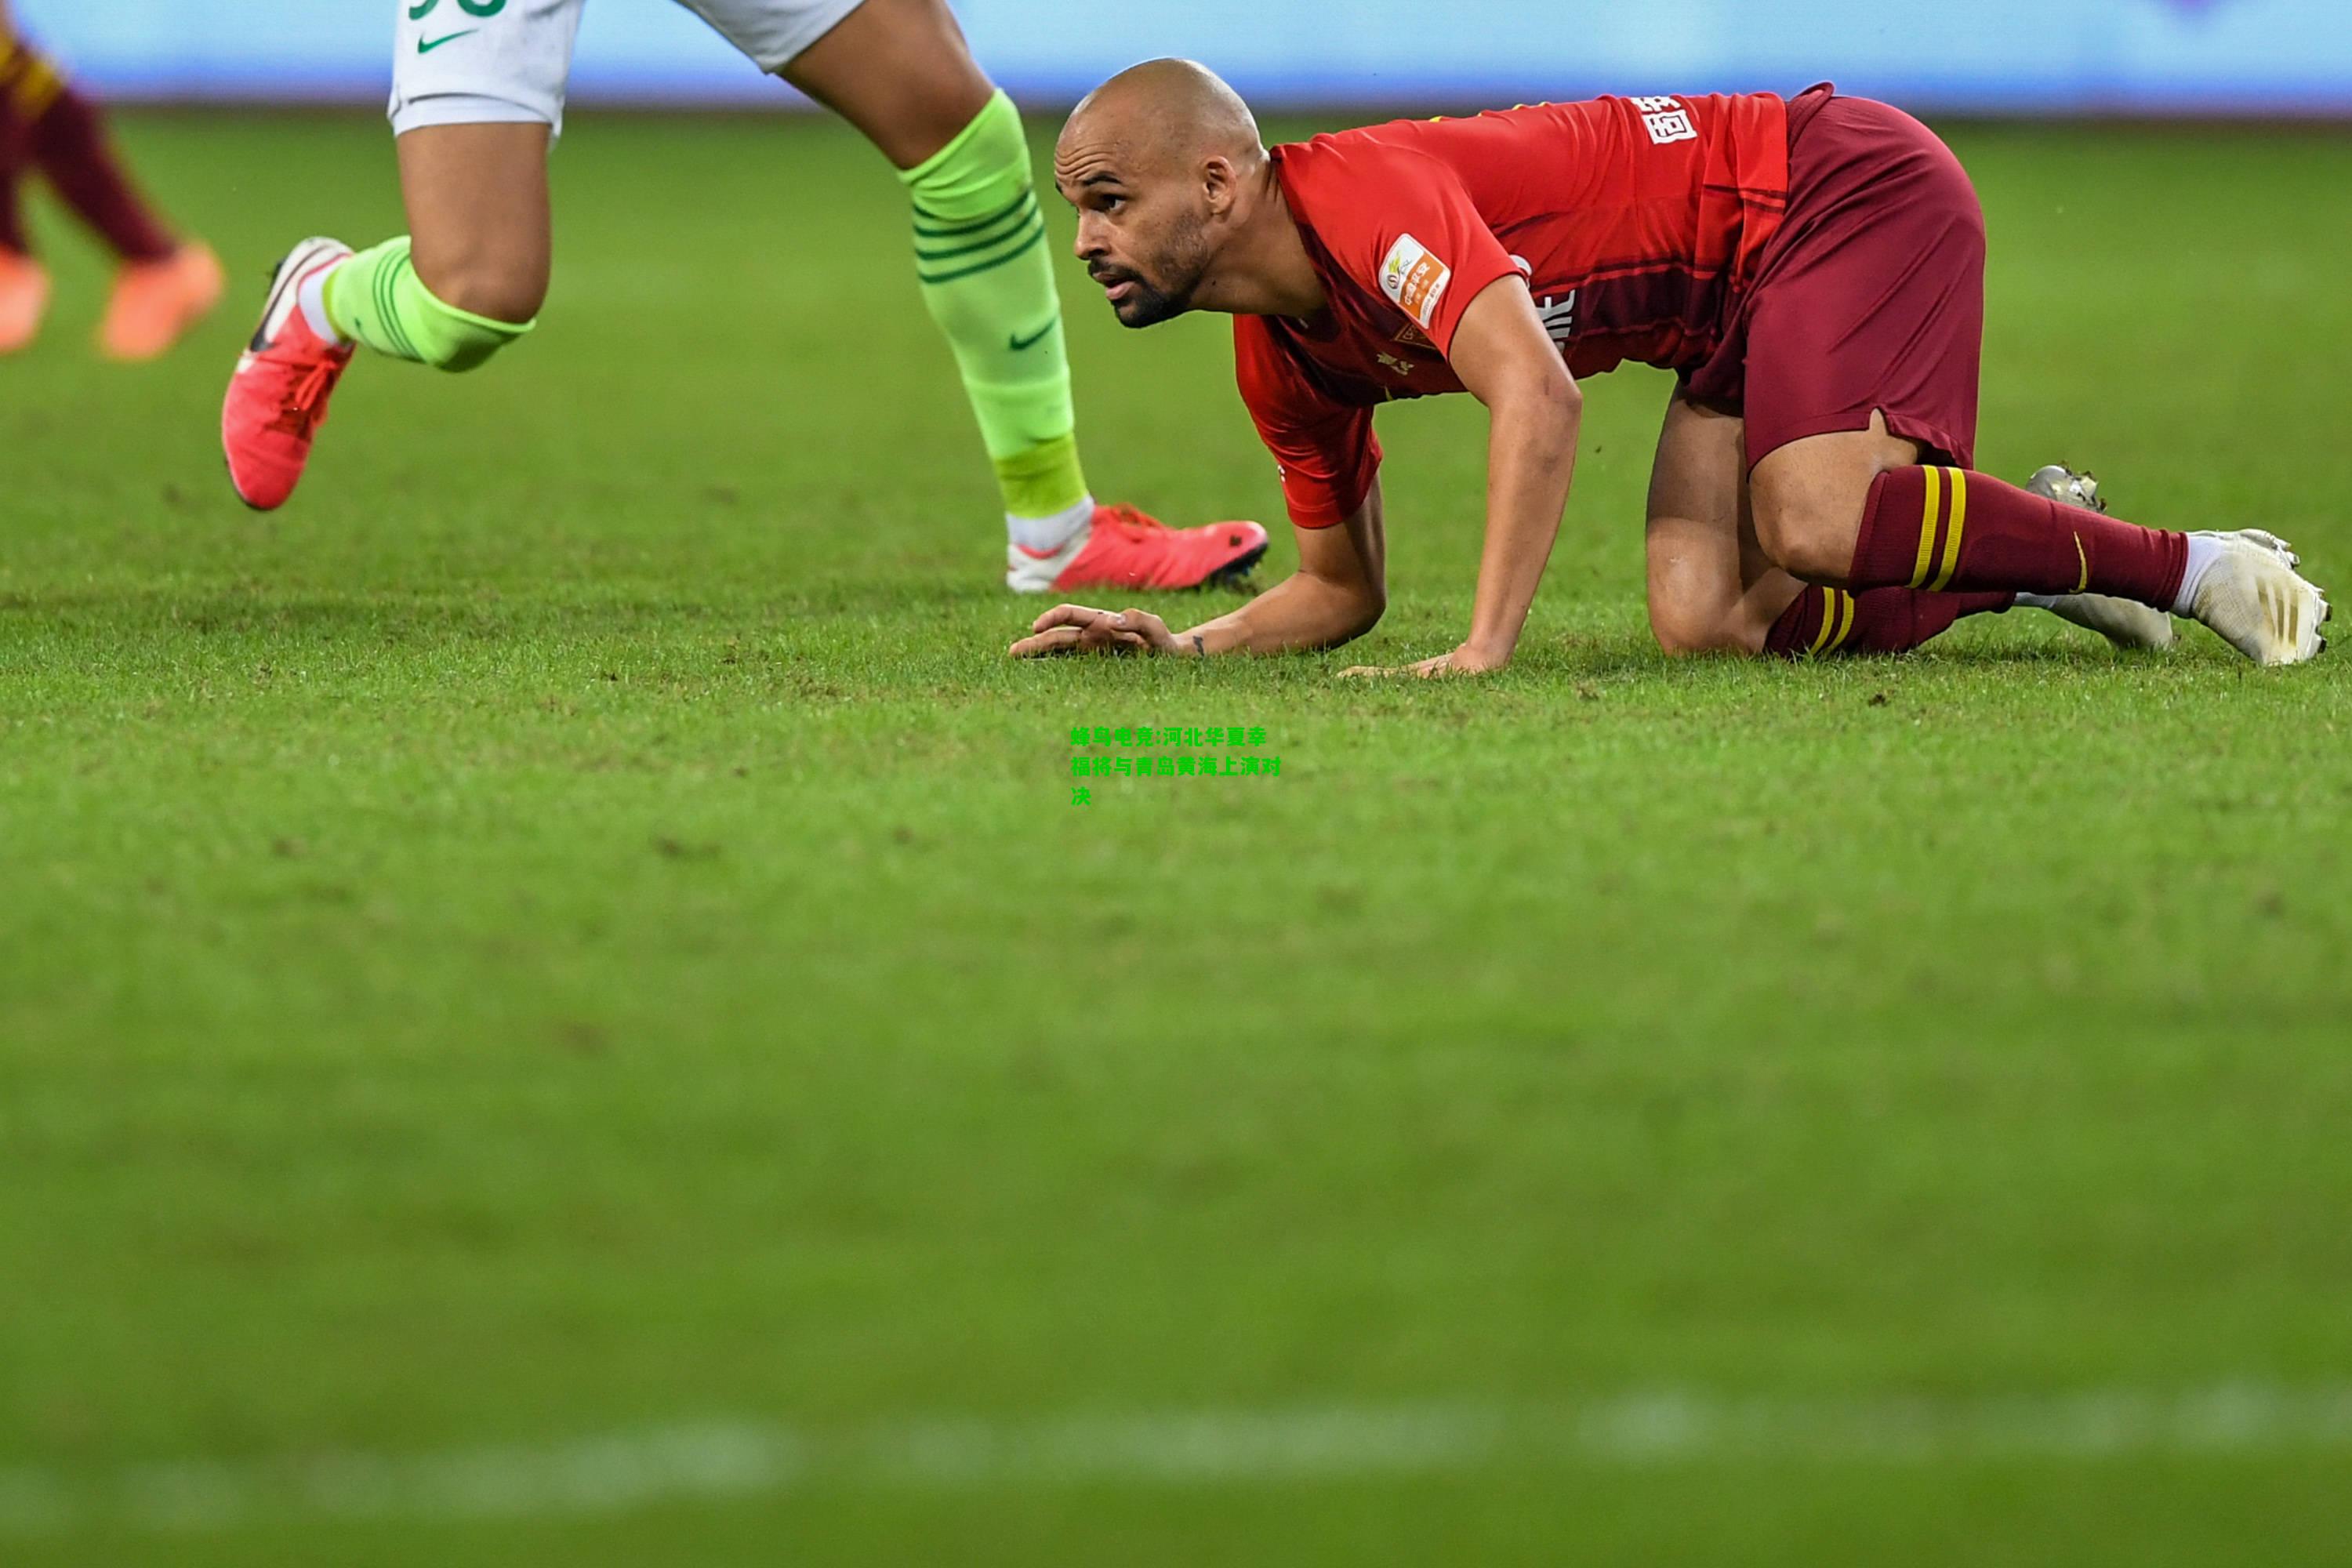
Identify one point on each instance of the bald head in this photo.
(1167, 110)
(1164, 165)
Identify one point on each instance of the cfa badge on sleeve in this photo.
(1414, 281)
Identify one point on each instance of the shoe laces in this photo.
(1127, 520)
(305, 406)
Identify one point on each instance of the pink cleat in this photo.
(156, 301)
(1123, 548)
(24, 299)
(278, 398)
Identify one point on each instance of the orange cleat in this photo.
(278, 398)
(156, 301)
(1123, 548)
(23, 301)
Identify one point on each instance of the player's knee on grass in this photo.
(1687, 622)
(1681, 632)
(1692, 586)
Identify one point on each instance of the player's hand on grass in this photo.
(1462, 660)
(1075, 628)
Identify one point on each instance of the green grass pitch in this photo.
(573, 930)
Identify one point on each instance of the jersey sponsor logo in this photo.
(1414, 281)
(1667, 119)
(1397, 365)
(427, 45)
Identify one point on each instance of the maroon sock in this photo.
(12, 212)
(69, 142)
(1949, 529)
(15, 156)
(1825, 621)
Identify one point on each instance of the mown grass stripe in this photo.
(632, 1469)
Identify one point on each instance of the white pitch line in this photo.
(739, 1459)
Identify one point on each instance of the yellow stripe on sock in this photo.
(1844, 608)
(1952, 535)
(1928, 526)
(1829, 619)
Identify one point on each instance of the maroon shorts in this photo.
(1871, 297)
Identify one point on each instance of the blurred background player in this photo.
(163, 286)
(477, 101)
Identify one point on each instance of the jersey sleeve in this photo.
(1401, 224)
(1324, 449)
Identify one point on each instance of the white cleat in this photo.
(2056, 481)
(2254, 599)
(2127, 623)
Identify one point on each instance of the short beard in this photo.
(1185, 261)
(1147, 307)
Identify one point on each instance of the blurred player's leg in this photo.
(164, 287)
(23, 285)
(477, 101)
(900, 71)
(1713, 589)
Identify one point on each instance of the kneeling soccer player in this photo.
(478, 99)
(1813, 269)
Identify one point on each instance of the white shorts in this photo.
(470, 62)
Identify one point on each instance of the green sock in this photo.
(988, 281)
(376, 299)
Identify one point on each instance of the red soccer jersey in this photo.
(1637, 223)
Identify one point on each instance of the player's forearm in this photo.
(1300, 614)
(1530, 463)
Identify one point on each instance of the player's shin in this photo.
(14, 158)
(1949, 529)
(987, 279)
(64, 134)
(1823, 622)
(375, 298)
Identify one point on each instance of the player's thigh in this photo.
(1865, 334)
(1709, 585)
(898, 70)
(478, 99)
